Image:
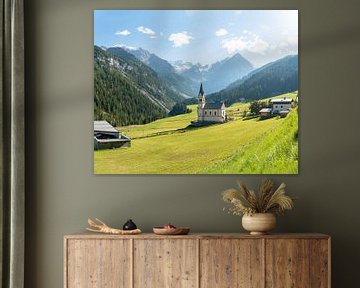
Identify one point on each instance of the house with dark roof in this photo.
(108, 137)
(209, 112)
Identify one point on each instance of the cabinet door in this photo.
(231, 263)
(98, 263)
(287, 263)
(320, 263)
(165, 263)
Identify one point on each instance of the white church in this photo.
(210, 112)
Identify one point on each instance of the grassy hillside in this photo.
(167, 146)
(274, 153)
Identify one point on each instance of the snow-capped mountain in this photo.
(185, 77)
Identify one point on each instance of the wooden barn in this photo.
(265, 113)
(108, 137)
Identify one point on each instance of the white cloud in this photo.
(180, 39)
(146, 30)
(250, 42)
(123, 32)
(221, 32)
(233, 45)
(125, 47)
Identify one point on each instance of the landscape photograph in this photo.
(196, 92)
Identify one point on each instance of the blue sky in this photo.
(203, 36)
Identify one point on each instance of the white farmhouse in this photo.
(282, 104)
(210, 112)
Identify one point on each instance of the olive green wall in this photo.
(62, 190)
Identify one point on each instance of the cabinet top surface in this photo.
(87, 235)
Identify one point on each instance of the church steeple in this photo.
(201, 91)
(201, 97)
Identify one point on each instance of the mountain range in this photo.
(162, 67)
(185, 76)
(134, 86)
(272, 79)
(218, 75)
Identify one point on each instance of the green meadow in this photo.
(239, 146)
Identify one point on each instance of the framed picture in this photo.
(196, 92)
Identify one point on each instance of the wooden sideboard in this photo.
(197, 260)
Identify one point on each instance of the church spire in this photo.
(201, 97)
(201, 91)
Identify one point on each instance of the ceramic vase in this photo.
(259, 223)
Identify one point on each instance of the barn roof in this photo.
(104, 126)
(216, 105)
(265, 110)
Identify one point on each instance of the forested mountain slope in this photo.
(127, 91)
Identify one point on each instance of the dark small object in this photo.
(129, 225)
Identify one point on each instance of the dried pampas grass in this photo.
(245, 201)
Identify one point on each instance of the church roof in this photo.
(201, 91)
(216, 105)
